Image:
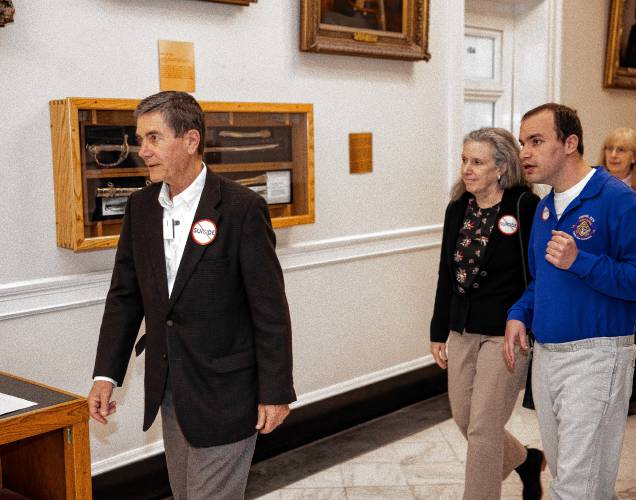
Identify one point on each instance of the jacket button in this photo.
(164, 356)
(169, 322)
(475, 285)
(483, 273)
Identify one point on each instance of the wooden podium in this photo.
(44, 449)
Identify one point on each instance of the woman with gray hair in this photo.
(481, 274)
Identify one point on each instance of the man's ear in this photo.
(571, 144)
(192, 140)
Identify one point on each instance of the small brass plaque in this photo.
(361, 153)
(365, 37)
(176, 66)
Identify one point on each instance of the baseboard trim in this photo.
(308, 398)
(126, 458)
(362, 381)
(335, 414)
(148, 478)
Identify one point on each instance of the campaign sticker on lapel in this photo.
(584, 228)
(508, 225)
(203, 232)
(545, 215)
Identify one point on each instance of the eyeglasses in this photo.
(618, 149)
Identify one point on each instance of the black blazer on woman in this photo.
(484, 307)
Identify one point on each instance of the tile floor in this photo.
(414, 453)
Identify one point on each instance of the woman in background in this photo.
(618, 156)
(481, 274)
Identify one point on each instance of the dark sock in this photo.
(530, 473)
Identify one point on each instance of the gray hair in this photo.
(505, 153)
(180, 111)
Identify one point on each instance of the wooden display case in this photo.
(267, 147)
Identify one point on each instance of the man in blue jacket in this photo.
(581, 306)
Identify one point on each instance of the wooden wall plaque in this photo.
(176, 66)
(361, 153)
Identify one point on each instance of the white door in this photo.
(511, 60)
(488, 71)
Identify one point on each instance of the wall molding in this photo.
(350, 248)
(28, 298)
(155, 448)
(40, 296)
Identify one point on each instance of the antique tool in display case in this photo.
(266, 147)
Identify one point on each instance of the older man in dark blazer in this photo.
(196, 259)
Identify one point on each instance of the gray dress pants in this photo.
(581, 392)
(217, 472)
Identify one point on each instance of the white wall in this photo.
(360, 280)
(108, 48)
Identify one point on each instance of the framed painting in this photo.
(235, 2)
(6, 12)
(620, 56)
(392, 29)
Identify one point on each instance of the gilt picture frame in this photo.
(391, 29)
(620, 56)
(244, 3)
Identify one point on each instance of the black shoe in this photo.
(530, 474)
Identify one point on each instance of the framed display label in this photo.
(278, 187)
(114, 206)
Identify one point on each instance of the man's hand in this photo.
(438, 350)
(99, 404)
(270, 417)
(561, 251)
(515, 334)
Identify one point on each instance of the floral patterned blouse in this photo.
(471, 242)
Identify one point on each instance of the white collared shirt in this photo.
(181, 208)
(178, 215)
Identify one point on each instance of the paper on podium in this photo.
(11, 403)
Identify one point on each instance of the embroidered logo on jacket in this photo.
(584, 228)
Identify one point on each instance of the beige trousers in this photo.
(482, 393)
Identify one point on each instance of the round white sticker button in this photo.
(545, 215)
(508, 224)
(203, 232)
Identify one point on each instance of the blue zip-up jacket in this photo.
(596, 297)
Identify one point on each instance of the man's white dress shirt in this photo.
(178, 216)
